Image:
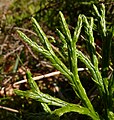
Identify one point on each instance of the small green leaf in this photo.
(33, 44)
(41, 97)
(74, 108)
(111, 115)
(61, 36)
(42, 36)
(31, 82)
(77, 29)
(96, 11)
(66, 30)
(35, 88)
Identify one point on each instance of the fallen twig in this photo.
(38, 77)
(9, 109)
(45, 76)
(17, 49)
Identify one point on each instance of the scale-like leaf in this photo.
(41, 97)
(61, 36)
(77, 29)
(74, 108)
(31, 82)
(34, 87)
(66, 30)
(42, 36)
(33, 44)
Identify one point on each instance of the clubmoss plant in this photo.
(101, 78)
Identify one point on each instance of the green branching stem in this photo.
(73, 108)
(71, 43)
(34, 87)
(71, 74)
(101, 19)
(46, 100)
(57, 63)
(91, 46)
(106, 36)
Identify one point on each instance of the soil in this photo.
(4, 4)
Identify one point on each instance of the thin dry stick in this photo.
(17, 49)
(3, 44)
(25, 30)
(31, 52)
(39, 77)
(9, 109)
(45, 76)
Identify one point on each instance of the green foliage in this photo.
(47, 10)
(102, 80)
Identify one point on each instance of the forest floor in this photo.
(16, 57)
(5, 4)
